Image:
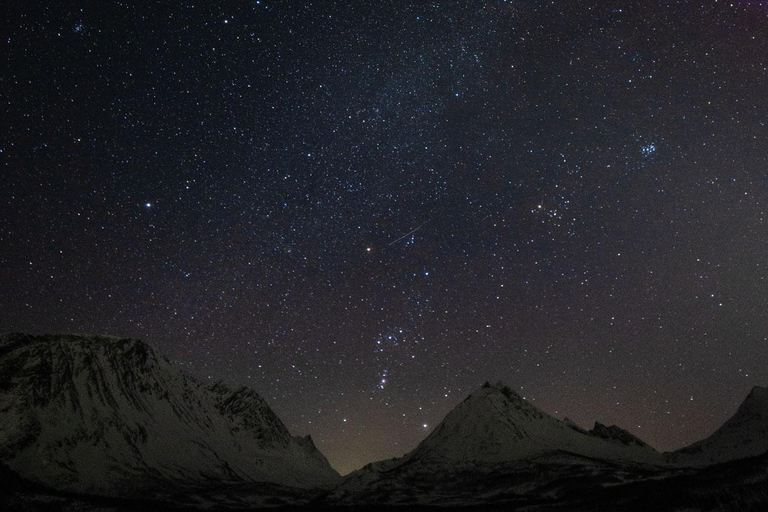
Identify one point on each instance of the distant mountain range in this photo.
(95, 421)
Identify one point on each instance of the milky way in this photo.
(364, 210)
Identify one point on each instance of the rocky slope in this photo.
(106, 416)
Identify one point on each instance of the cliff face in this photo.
(107, 416)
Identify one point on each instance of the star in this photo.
(648, 149)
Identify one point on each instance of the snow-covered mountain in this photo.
(496, 449)
(495, 424)
(107, 416)
(744, 435)
(495, 444)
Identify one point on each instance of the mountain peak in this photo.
(498, 387)
(88, 413)
(495, 424)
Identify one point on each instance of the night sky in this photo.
(366, 209)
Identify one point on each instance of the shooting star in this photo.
(407, 234)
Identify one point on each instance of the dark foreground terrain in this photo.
(736, 486)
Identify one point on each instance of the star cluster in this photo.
(364, 210)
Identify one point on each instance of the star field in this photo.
(364, 210)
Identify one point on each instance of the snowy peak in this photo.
(495, 424)
(106, 415)
(492, 423)
(744, 435)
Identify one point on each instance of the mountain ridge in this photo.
(108, 416)
(495, 443)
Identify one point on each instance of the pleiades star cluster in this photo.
(366, 209)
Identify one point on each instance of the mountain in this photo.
(744, 435)
(107, 416)
(495, 424)
(497, 451)
(494, 446)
